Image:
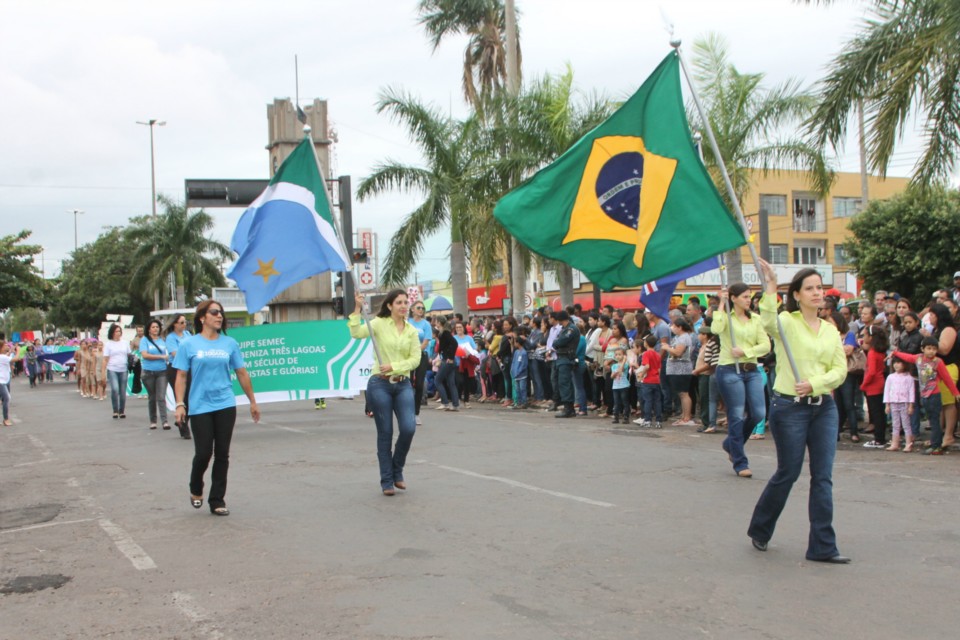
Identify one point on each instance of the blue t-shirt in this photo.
(623, 382)
(424, 330)
(173, 341)
(156, 348)
(209, 363)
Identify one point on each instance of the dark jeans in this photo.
(447, 384)
(155, 383)
(878, 418)
(742, 392)
(845, 408)
(650, 402)
(387, 400)
(211, 437)
(933, 406)
(536, 375)
(796, 428)
(620, 403)
(419, 377)
(709, 394)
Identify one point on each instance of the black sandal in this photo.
(196, 502)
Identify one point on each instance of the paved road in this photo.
(514, 526)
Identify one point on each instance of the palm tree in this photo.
(179, 242)
(748, 121)
(904, 64)
(484, 59)
(447, 150)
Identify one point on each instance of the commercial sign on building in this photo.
(367, 275)
(486, 298)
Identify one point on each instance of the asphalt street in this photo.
(514, 525)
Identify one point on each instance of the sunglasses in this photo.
(214, 312)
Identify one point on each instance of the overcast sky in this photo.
(76, 76)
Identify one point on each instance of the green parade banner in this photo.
(302, 360)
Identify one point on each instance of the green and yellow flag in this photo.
(629, 202)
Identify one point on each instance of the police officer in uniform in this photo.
(565, 346)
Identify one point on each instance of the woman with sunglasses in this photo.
(424, 333)
(209, 357)
(175, 334)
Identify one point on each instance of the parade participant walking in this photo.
(117, 351)
(6, 360)
(803, 414)
(209, 357)
(389, 391)
(738, 377)
(176, 333)
(565, 346)
(153, 354)
(424, 333)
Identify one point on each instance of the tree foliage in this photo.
(884, 258)
(97, 282)
(20, 282)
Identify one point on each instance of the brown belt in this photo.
(391, 379)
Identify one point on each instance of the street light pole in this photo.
(75, 212)
(153, 174)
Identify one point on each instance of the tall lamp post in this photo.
(153, 175)
(153, 184)
(75, 213)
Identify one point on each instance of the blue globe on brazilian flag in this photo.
(630, 202)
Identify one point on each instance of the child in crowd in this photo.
(648, 377)
(620, 375)
(931, 370)
(100, 373)
(899, 398)
(519, 371)
(707, 360)
(875, 343)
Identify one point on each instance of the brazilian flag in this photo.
(630, 202)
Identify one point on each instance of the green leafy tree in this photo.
(20, 282)
(97, 282)
(753, 127)
(180, 242)
(446, 146)
(931, 217)
(903, 66)
(484, 58)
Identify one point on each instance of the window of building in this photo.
(808, 214)
(839, 255)
(774, 205)
(778, 254)
(808, 253)
(846, 207)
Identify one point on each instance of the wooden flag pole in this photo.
(675, 43)
(343, 247)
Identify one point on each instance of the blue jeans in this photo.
(845, 409)
(650, 402)
(741, 392)
(118, 390)
(797, 427)
(579, 391)
(386, 400)
(447, 384)
(520, 386)
(621, 406)
(537, 369)
(5, 400)
(933, 406)
(666, 395)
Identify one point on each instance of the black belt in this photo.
(811, 400)
(746, 366)
(392, 379)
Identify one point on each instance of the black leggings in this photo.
(878, 418)
(419, 377)
(211, 437)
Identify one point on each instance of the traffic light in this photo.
(359, 256)
(338, 305)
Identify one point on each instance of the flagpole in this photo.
(675, 43)
(726, 308)
(343, 247)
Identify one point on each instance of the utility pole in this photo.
(864, 189)
(153, 122)
(75, 213)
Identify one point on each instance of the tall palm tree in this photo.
(179, 242)
(904, 63)
(484, 59)
(751, 124)
(446, 146)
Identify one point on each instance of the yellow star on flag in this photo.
(266, 270)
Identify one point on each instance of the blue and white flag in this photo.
(656, 295)
(287, 234)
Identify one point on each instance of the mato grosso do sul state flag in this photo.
(630, 202)
(287, 233)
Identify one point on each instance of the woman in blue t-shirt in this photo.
(425, 334)
(175, 334)
(153, 362)
(209, 357)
